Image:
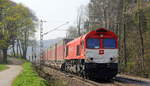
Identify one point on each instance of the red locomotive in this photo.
(93, 55)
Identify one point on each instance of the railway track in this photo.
(135, 81)
(73, 80)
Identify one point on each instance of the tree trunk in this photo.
(5, 56)
(20, 49)
(141, 36)
(124, 44)
(141, 42)
(105, 16)
(119, 32)
(13, 47)
(32, 52)
(124, 32)
(17, 48)
(25, 49)
(79, 19)
(25, 43)
(24, 53)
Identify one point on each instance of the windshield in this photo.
(93, 43)
(109, 43)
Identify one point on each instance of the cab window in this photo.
(93, 43)
(82, 44)
(78, 50)
(67, 49)
(109, 43)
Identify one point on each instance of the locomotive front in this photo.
(101, 52)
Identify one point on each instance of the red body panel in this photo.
(72, 52)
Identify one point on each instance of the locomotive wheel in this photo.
(63, 67)
(77, 69)
(84, 75)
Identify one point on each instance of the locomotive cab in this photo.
(101, 46)
(101, 51)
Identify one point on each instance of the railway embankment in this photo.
(58, 78)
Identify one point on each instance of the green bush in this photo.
(29, 77)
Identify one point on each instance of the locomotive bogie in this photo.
(103, 71)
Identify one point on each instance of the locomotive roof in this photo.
(100, 31)
(97, 31)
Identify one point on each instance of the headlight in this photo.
(89, 60)
(113, 59)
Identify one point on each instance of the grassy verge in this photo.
(3, 67)
(29, 77)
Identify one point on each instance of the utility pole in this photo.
(41, 39)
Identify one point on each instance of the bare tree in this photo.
(72, 32)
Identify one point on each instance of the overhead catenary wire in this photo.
(56, 28)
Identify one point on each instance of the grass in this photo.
(3, 67)
(29, 77)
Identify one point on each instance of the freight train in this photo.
(93, 55)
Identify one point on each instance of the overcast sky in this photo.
(55, 12)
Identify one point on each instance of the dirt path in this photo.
(7, 76)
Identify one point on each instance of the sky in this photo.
(55, 13)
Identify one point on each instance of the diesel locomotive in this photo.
(93, 55)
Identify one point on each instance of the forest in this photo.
(130, 20)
